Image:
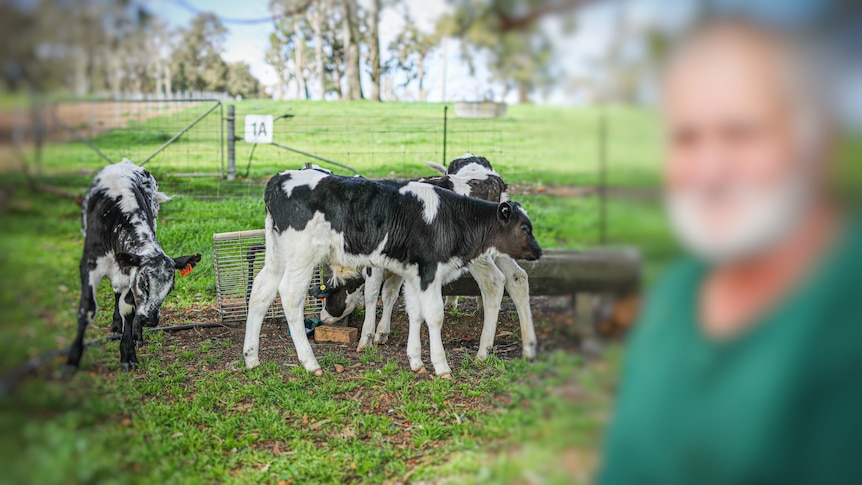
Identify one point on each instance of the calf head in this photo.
(341, 300)
(152, 279)
(513, 234)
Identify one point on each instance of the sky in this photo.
(577, 53)
(249, 42)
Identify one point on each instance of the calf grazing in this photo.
(474, 177)
(118, 219)
(421, 232)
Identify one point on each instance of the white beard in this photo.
(760, 219)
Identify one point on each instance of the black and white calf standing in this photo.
(421, 232)
(471, 176)
(118, 219)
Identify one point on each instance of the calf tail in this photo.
(436, 167)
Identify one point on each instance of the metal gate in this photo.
(178, 137)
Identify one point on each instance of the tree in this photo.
(408, 52)
(197, 63)
(240, 81)
(350, 27)
(317, 14)
(374, 47)
(507, 33)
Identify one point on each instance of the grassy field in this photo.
(192, 413)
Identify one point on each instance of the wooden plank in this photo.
(563, 272)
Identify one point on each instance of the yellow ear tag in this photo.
(322, 287)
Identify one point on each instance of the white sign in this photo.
(258, 128)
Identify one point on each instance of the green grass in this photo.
(174, 422)
(531, 144)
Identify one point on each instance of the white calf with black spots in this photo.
(424, 234)
(118, 219)
(471, 176)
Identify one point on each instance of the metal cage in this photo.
(238, 257)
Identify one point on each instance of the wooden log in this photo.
(338, 334)
(564, 272)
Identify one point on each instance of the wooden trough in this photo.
(566, 272)
(580, 274)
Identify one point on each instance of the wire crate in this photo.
(238, 257)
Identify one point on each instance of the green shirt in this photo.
(779, 404)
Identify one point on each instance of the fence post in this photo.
(231, 140)
(603, 181)
(445, 129)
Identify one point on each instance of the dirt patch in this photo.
(461, 331)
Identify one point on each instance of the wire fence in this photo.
(184, 143)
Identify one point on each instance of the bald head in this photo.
(745, 139)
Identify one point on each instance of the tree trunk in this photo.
(353, 86)
(374, 50)
(523, 92)
(81, 85)
(317, 25)
(299, 60)
(168, 88)
(389, 88)
(443, 77)
(421, 76)
(339, 74)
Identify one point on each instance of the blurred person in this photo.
(746, 364)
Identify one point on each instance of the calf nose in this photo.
(326, 318)
(151, 321)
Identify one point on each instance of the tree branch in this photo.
(299, 9)
(507, 22)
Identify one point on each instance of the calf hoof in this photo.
(129, 366)
(69, 370)
(529, 352)
(361, 348)
(381, 338)
(139, 344)
(318, 372)
(421, 370)
(446, 376)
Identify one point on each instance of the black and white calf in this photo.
(471, 176)
(421, 232)
(118, 219)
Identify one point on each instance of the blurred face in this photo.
(735, 176)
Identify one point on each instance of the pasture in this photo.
(193, 413)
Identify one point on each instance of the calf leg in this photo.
(117, 321)
(432, 310)
(414, 315)
(87, 308)
(293, 288)
(372, 291)
(491, 282)
(262, 295)
(391, 288)
(126, 310)
(518, 286)
(128, 356)
(452, 302)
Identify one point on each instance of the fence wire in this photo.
(183, 142)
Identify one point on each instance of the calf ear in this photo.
(504, 212)
(183, 261)
(323, 291)
(128, 260)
